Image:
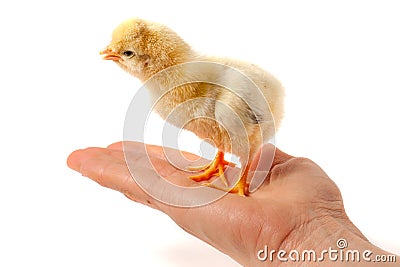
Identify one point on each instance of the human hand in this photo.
(297, 207)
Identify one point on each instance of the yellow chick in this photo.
(229, 113)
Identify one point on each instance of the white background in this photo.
(338, 60)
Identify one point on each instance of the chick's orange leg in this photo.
(215, 168)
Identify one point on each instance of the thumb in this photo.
(266, 158)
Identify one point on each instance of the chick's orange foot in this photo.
(215, 168)
(241, 188)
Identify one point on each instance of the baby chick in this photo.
(228, 113)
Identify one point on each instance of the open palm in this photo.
(295, 200)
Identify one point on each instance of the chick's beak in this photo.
(109, 55)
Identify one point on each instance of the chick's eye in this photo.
(128, 54)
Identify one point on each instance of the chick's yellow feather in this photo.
(235, 104)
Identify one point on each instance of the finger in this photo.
(280, 157)
(116, 146)
(267, 157)
(102, 166)
(75, 159)
(134, 146)
(108, 168)
(95, 163)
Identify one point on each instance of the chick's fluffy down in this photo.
(235, 104)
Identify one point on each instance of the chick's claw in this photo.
(215, 168)
(241, 188)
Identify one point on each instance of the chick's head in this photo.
(144, 48)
